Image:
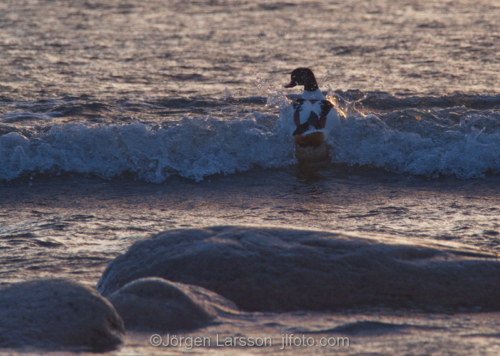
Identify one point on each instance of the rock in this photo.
(56, 314)
(159, 305)
(278, 269)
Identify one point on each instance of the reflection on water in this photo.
(189, 48)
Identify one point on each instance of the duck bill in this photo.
(290, 85)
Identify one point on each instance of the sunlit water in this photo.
(119, 119)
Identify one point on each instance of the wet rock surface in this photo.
(56, 314)
(159, 305)
(276, 269)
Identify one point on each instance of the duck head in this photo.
(305, 77)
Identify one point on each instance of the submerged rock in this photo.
(160, 305)
(276, 269)
(57, 314)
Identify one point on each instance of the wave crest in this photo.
(192, 148)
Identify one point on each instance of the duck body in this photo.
(313, 115)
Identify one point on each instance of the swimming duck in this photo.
(314, 115)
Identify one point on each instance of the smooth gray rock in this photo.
(276, 269)
(57, 314)
(155, 304)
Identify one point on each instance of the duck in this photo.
(313, 115)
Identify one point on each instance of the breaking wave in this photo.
(417, 136)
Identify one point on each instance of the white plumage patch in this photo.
(307, 107)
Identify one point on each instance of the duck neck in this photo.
(311, 85)
(313, 94)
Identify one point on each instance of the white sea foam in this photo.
(460, 150)
(193, 148)
(203, 146)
